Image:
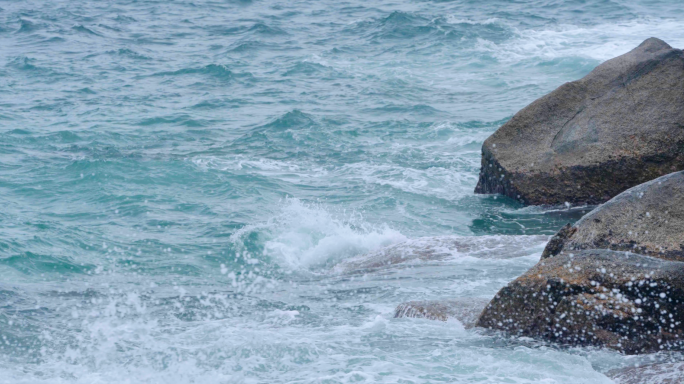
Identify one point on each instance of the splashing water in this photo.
(242, 191)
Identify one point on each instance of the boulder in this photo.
(619, 300)
(591, 139)
(465, 310)
(647, 219)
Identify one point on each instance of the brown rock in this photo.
(620, 300)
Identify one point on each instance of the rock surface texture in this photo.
(591, 139)
(620, 300)
(465, 310)
(647, 219)
(614, 279)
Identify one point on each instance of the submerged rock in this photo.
(620, 300)
(589, 140)
(663, 373)
(427, 249)
(465, 310)
(647, 219)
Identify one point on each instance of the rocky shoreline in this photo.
(614, 279)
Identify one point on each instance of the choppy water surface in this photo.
(186, 187)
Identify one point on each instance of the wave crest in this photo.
(304, 236)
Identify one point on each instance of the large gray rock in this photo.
(620, 300)
(647, 219)
(589, 140)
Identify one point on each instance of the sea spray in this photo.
(305, 235)
(190, 190)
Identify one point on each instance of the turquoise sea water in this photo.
(181, 182)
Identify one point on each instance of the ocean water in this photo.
(189, 188)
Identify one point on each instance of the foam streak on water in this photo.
(243, 191)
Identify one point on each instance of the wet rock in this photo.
(589, 140)
(465, 310)
(664, 373)
(439, 248)
(557, 242)
(620, 300)
(647, 219)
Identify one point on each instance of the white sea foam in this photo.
(452, 19)
(258, 165)
(599, 42)
(540, 210)
(440, 182)
(306, 235)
